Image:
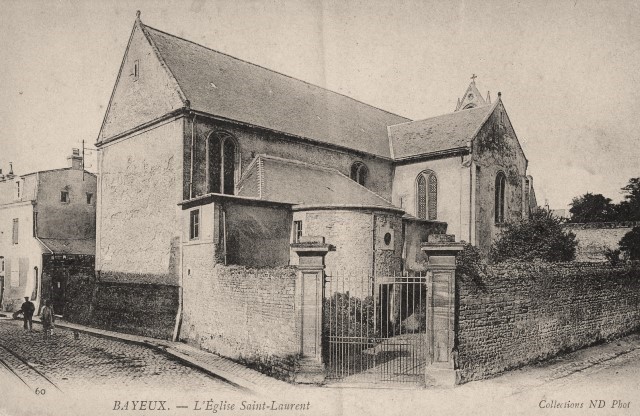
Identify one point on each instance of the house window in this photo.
(297, 231)
(64, 196)
(15, 231)
(359, 173)
(501, 117)
(136, 70)
(223, 163)
(427, 195)
(35, 223)
(1, 266)
(18, 194)
(89, 198)
(194, 224)
(501, 181)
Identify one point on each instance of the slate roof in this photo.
(305, 184)
(66, 246)
(439, 133)
(224, 86)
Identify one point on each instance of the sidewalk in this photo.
(244, 378)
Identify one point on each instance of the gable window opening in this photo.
(297, 231)
(64, 196)
(501, 181)
(427, 195)
(194, 224)
(359, 173)
(223, 163)
(89, 198)
(136, 70)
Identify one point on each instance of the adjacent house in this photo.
(47, 227)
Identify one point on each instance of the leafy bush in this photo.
(349, 316)
(630, 244)
(539, 238)
(470, 263)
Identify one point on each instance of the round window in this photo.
(387, 239)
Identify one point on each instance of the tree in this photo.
(592, 208)
(629, 209)
(630, 243)
(539, 238)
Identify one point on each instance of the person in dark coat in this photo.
(28, 309)
(47, 319)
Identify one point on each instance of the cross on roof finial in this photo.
(473, 78)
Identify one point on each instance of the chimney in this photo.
(76, 159)
(1, 175)
(10, 175)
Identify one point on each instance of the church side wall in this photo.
(253, 142)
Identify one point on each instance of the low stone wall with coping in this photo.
(522, 313)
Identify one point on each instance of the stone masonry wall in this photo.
(100, 301)
(246, 314)
(523, 313)
(77, 273)
(134, 308)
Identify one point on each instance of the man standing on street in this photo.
(27, 313)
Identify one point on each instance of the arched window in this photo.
(501, 181)
(223, 163)
(427, 195)
(359, 173)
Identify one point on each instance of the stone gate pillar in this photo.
(441, 250)
(309, 298)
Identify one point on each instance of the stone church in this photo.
(203, 154)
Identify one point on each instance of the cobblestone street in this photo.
(90, 361)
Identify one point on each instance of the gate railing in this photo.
(374, 328)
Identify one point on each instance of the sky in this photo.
(568, 71)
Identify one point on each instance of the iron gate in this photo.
(374, 329)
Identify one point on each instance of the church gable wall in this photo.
(254, 141)
(496, 149)
(139, 97)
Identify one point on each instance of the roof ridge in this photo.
(54, 170)
(296, 162)
(274, 71)
(442, 115)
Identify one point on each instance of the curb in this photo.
(165, 348)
